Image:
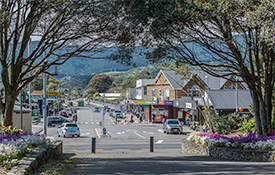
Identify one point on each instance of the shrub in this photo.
(228, 124)
(247, 125)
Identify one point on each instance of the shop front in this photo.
(163, 110)
(187, 109)
(142, 107)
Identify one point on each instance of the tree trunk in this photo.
(9, 106)
(256, 108)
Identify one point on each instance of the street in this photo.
(126, 151)
(123, 136)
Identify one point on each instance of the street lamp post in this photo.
(236, 95)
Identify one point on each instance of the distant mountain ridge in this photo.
(94, 65)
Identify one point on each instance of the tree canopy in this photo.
(74, 26)
(99, 83)
(236, 36)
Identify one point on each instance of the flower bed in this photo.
(14, 143)
(250, 147)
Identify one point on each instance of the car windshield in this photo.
(173, 122)
(71, 125)
(117, 111)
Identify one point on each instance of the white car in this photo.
(172, 126)
(68, 129)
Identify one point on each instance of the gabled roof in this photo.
(177, 83)
(174, 79)
(226, 99)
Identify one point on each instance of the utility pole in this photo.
(44, 104)
(236, 95)
(30, 74)
(21, 115)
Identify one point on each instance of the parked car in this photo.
(118, 114)
(63, 113)
(108, 109)
(57, 120)
(68, 129)
(172, 126)
(111, 112)
(68, 111)
(96, 109)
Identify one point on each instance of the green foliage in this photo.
(52, 84)
(128, 79)
(247, 125)
(228, 124)
(99, 83)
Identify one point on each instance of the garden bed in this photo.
(227, 153)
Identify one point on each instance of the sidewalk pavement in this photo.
(162, 161)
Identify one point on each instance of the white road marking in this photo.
(120, 132)
(86, 123)
(159, 141)
(92, 120)
(80, 122)
(139, 135)
(160, 130)
(148, 132)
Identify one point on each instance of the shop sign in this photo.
(48, 96)
(162, 102)
(188, 105)
(137, 102)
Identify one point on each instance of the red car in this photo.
(64, 114)
(108, 109)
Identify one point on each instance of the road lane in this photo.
(123, 136)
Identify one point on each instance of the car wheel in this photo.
(64, 135)
(164, 131)
(72, 135)
(78, 135)
(167, 132)
(58, 134)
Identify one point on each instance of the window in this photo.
(195, 91)
(167, 93)
(145, 90)
(232, 87)
(153, 92)
(159, 92)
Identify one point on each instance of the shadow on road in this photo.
(155, 163)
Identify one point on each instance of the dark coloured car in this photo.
(96, 109)
(57, 120)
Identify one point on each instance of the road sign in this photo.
(104, 131)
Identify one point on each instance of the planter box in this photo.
(33, 160)
(227, 153)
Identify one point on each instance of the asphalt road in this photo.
(127, 151)
(123, 137)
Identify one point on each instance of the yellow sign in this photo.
(54, 104)
(48, 93)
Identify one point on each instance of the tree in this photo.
(52, 84)
(99, 83)
(62, 28)
(230, 35)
